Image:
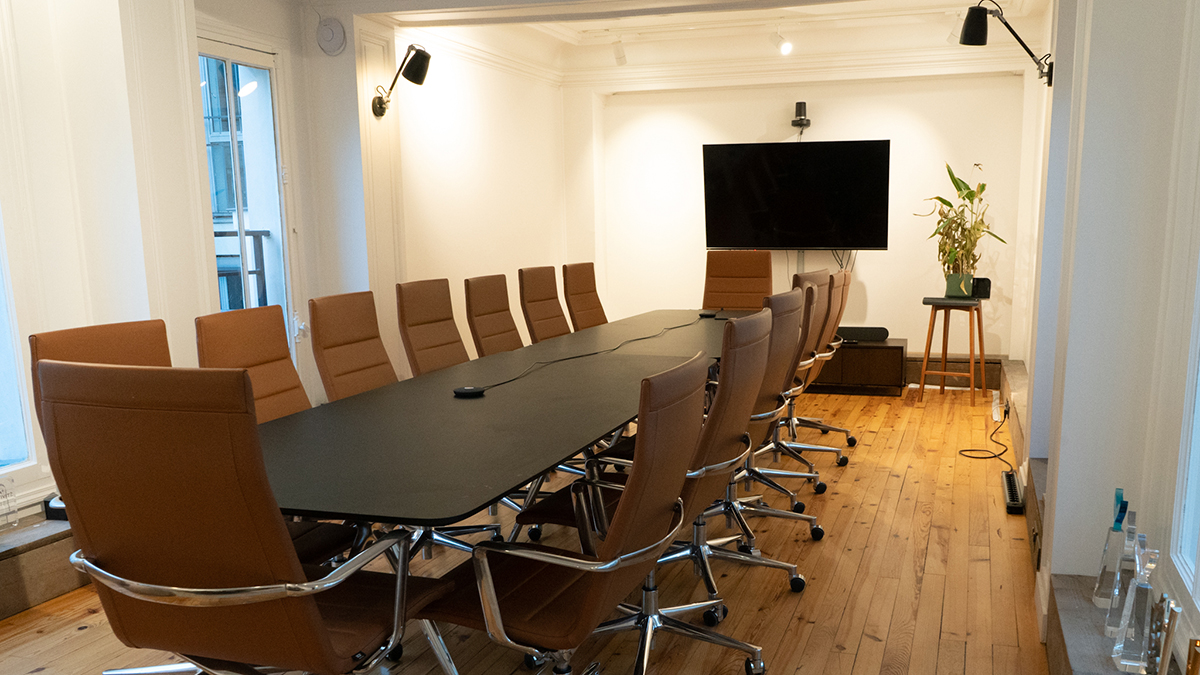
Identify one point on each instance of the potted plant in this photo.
(959, 228)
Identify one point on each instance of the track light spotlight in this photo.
(781, 43)
(619, 53)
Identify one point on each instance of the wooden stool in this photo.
(974, 317)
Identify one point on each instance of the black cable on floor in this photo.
(982, 453)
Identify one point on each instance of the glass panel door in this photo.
(244, 178)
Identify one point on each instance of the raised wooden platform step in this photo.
(33, 564)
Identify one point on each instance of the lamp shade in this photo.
(974, 30)
(416, 65)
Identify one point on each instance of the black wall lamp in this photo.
(414, 67)
(974, 32)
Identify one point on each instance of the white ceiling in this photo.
(585, 23)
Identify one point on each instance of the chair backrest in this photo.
(670, 416)
(583, 302)
(255, 339)
(737, 279)
(346, 346)
(431, 337)
(539, 302)
(838, 286)
(488, 315)
(743, 363)
(133, 343)
(786, 311)
(142, 454)
(820, 280)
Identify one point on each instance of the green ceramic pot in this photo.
(959, 285)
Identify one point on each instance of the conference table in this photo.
(412, 453)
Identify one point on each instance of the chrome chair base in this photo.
(560, 659)
(701, 549)
(196, 666)
(649, 619)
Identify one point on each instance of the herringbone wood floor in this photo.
(921, 572)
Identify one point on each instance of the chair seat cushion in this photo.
(319, 542)
(539, 602)
(622, 449)
(358, 611)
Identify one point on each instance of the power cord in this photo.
(982, 453)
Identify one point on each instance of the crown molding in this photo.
(893, 64)
(480, 54)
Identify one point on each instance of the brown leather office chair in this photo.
(789, 312)
(737, 279)
(256, 339)
(574, 592)
(431, 338)
(825, 346)
(346, 345)
(539, 302)
(722, 448)
(227, 590)
(131, 343)
(488, 316)
(583, 302)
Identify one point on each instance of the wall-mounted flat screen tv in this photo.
(809, 195)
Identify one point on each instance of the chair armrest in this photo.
(726, 466)
(771, 414)
(217, 597)
(837, 342)
(487, 588)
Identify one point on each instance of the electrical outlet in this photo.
(1007, 407)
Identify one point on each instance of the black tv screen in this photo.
(808, 195)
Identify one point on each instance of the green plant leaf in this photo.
(981, 188)
(996, 236)
(959, 185)
(969, 195)
(945, 201)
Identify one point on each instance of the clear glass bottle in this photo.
(1125, 570)
(1110, 560)
(1130, 651)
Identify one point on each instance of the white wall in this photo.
(483, 164)
(655, 198)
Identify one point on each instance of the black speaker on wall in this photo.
(862, 333)
(981, 288)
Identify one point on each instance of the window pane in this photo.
(215, 96)
(14, 446)
(1189, 500)
(263, 218)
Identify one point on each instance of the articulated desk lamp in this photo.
(974, 32)
(414, 67)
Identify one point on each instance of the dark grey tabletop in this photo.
(412, 453)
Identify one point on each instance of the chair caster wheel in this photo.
(797, 584)
(817, 533)
(753, 668)
(532, 662)
(798, 507)
(820, 488)
(396, 654)
(824, 431)
(715, 615)
(746, 548)
(498, 537)
(535, 533)
(851, 441)
(843, 460)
